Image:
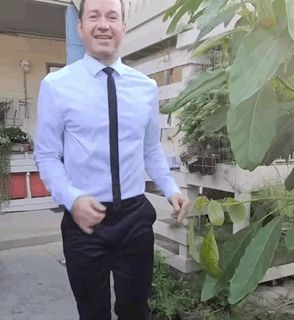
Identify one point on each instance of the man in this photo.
(97, 131)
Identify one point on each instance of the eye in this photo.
(113, 18)
(92, 16)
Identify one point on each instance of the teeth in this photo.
(102, 37)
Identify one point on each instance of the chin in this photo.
(103, 55)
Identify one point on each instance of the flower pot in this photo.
(17, 187)
(20, 147)
(37, 187)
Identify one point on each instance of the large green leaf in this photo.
(289, 239)
(216, 121)
(180, 9)
(209, 255)
(211, 9)
(214, 14)
(200, 203)
(256, 260)
(192, 240)
(172, 10)
(290, 15)
(204, 82)
(265, 13)
(284, 85)
(238, 37)
(236, 209)
(215, 213)
(211, 287)
(258, 58)
(230, 254)
(215, 40)
(283, 143)
(289, 183)
(280, 11)
(251, 127)
(262, 209)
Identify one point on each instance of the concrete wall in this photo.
(39, 52)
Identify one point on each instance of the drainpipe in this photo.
(74, 47)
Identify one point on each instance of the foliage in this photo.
(256, 260)
(259, 49)
(168, 295)
(174, 295)
(193, 122)
(8, 136)
(279, 199)
(15, 134)
(4, 107)
(5, 148)
(259, 118)
(243, 259)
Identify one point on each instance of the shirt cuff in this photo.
(171, 189)
(71, 196)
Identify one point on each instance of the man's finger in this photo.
(96, 216)
(98, 206)
(182, 213)
(176, 205)
(88, 230)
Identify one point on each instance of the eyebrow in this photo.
(97, 11)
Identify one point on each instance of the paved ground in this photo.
(34, 286)
(30, 228)
(33, 282)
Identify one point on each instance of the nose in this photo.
(102, 24)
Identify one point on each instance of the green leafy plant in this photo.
(259, 53)
(5, 150)
(15, 135)
(4, 107)
(193, 122)
(177, 297)
(168, 295)
(8, 136)
(244, 257)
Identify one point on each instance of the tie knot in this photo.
(108, 70)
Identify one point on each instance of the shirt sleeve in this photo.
(156, 164)
(48, 151)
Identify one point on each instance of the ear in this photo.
(79, 27)
(124, 28)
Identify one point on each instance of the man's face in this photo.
(102, 28)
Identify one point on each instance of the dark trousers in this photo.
(123, 244)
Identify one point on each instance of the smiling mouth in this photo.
(102, 37)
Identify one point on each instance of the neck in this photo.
(107, 61)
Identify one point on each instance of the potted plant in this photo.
(15, 185)
(18, 138)
(37, 187)
(204, 148)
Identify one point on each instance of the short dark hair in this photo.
(82, 9)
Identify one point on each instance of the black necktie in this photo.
(113, 138)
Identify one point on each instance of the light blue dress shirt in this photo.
(72, 136)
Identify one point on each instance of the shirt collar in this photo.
(94, 66)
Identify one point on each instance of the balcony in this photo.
(34, 17)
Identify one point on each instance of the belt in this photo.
(125, 202)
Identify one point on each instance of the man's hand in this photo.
(180, 204)
(87, 212)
